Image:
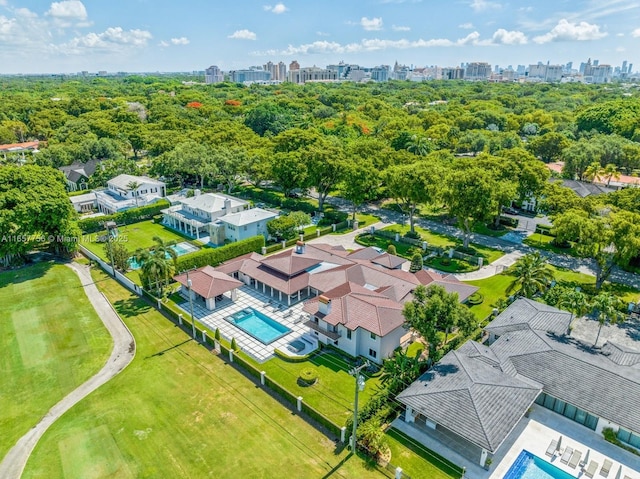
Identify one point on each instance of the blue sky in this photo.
(162, 35)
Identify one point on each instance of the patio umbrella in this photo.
(559, 443)
(619, 475)
(585, 461)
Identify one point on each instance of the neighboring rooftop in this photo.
(208, 282)
(247, 217)
(121, 181)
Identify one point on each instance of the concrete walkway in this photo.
(124, 349)
(492, 269)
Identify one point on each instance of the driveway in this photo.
(124, 350)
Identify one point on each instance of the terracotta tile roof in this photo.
(355, 307)
(19, 146)
(390, 261)
(208, 282)
(290, 263)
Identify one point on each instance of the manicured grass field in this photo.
(417, 461)
(494, 288)
(51, 341)
(179, 411)
(134, 236)
(333, 394)
(435, 239)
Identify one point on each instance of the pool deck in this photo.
(534, 434)
(250, 298)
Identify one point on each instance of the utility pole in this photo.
(193, 322)
(359, 387)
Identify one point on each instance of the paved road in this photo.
(124, 348)
(582, 265)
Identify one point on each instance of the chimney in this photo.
(227, 206)
(324, 305)
(300, 247)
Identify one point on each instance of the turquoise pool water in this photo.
(180, 249)
(529, 466)
(258, 325)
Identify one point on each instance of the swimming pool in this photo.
(258, 325)
(529, 466)
(180, 249)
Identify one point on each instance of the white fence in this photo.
(107, 267)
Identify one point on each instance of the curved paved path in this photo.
(124, 349)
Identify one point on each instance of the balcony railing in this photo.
(329, 334)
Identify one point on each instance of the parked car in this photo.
(510, 211)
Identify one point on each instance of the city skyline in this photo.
(137, 35)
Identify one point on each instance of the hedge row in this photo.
(215, 256)
(545, 230)
(321, 418)
(134, 215)
(508, 221)
(292, 359)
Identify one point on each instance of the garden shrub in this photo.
(134, 215)
(308, 376)
(475, 298)
(611, 436)
(234, 344)
(391, 249)
(446, 261)
(412, 235)
(215, 256)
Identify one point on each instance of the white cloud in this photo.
(400, 28)
(371, 24)
(370, 45)
(69, 9)
(243, 35)
(636, 33)
(466, 26)
(322, 34)
(3, 3)
(278, 8)
(180, 41)
(482, 5)
(513, 37)
(569, 31)
(113, 39)
(163, 44)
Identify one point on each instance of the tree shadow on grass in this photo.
(26, 272)
(131, 307)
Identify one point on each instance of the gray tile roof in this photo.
(471, 388)
(528, 314)
(248, 217)
(471, 398)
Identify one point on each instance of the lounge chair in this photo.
(575, 458)
(553, 447)
(568, 451)
(591, 469)
(606, 467)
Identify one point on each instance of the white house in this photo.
(84, 203)
(198, 215)
(244, 224)
(120, 196)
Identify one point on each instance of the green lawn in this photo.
(435, 239)
(51, 340)
(454, 265)
(545, 242)
(179, 411)
(134, 236)
(494, 288)
(417, 461)
(333, 394)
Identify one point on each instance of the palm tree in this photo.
(532, 275)
(157, 264)
(419, 145)
(133, 186)
(575, 302)
(593, 172)
(611, 171)
(400, 370)
(607, 308)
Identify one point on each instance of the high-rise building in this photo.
(630, 69)
(294, 65)
(380, 73)
(477, 71)
(282, 71)
(542, 72)
(213, 75)
(310, 74)
(597, 73)
(624, 67)
(452, 73)
(253, 74)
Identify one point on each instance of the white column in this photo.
(483, 457)
(343, 433)
(408, 415)
(262, 375)
(299, 403)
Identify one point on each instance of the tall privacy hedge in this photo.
(134, 215)
(215, 256)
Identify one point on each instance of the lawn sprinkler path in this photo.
(124, 350)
